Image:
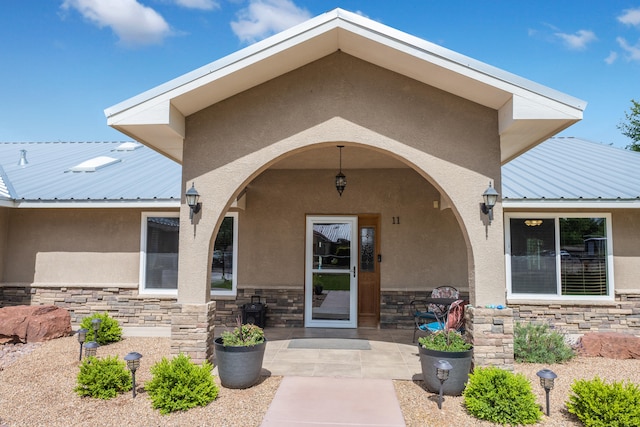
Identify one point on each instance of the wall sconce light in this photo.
(341, 179)
(96, 327)
(90, 349)
(490, 197)
(133, 363)
(192, 197)
(547, 377)
(82, 336)
(442, 373)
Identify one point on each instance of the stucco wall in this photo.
(426, 249)
(73, 246)
(626, 249)
(4, 219)
(452, 142)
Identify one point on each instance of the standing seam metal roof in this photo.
(574, 169)
(140, 174)
(560, 168)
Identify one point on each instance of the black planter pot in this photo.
(458, 375)
(239, 367)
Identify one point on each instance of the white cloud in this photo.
(133, 23)
(633, 52)
(198, 4)
(265, 17)
(611, 58)
(630, 17)
(579, 40)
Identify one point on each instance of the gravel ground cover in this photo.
(36, 389)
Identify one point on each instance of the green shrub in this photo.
(243, 336)
(538, 344)
(445, 341)
(598, 404)
(109, 331)
(180, 384)
(500, 396)
(103, 378)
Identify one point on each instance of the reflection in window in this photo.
(332, 246)
(574, 263)
(159, 261)
(162, 253)
(223, 262)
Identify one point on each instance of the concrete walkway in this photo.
(325, 402)
(338, 377)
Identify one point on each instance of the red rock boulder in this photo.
(37, 323)
(612, 345)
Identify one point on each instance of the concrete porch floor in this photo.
(345, 353)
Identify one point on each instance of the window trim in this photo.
(234, 270)
(556, 216)
(142, 289)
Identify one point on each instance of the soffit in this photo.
(528, 112)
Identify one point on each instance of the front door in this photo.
(331, 284)
(369, 271)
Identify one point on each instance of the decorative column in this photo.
(192, 331)
(490, 330)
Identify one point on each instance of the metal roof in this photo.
(572, 169)
(564, 170)
(136, 174)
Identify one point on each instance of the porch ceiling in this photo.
(528, 112)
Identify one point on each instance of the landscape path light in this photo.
(442, 373)
(96, 327)
(133, 363)
(82, 336)
(90, 349)
(547, 377)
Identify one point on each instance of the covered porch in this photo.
(424, 131)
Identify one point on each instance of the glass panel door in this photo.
(330, 282)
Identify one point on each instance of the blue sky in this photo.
(62, 62)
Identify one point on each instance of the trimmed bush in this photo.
(500, 396)
(597, 404)
(180, 384)
(246, 335)
(109, 331)
(539, 344)
(103, 378)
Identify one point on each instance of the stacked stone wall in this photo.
(491, 333)
(123, 304)
(581, 318)
(192, 331)
(284, 307)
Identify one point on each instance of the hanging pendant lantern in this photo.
(341, 179)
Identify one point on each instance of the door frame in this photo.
(309, 322)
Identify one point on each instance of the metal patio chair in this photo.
(425, 313)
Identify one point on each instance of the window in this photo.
(159, 255)
(559, 256)
(223, 265)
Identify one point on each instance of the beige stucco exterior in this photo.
(626, 251)
(426, 249)
(73, 247)
(4, 220)
(451, 143)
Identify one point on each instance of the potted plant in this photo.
(239, 355)
(451, 346)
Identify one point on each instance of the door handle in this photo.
(354, 271)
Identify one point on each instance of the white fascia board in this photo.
(7, 203)
(93, 204)
(570, 204)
